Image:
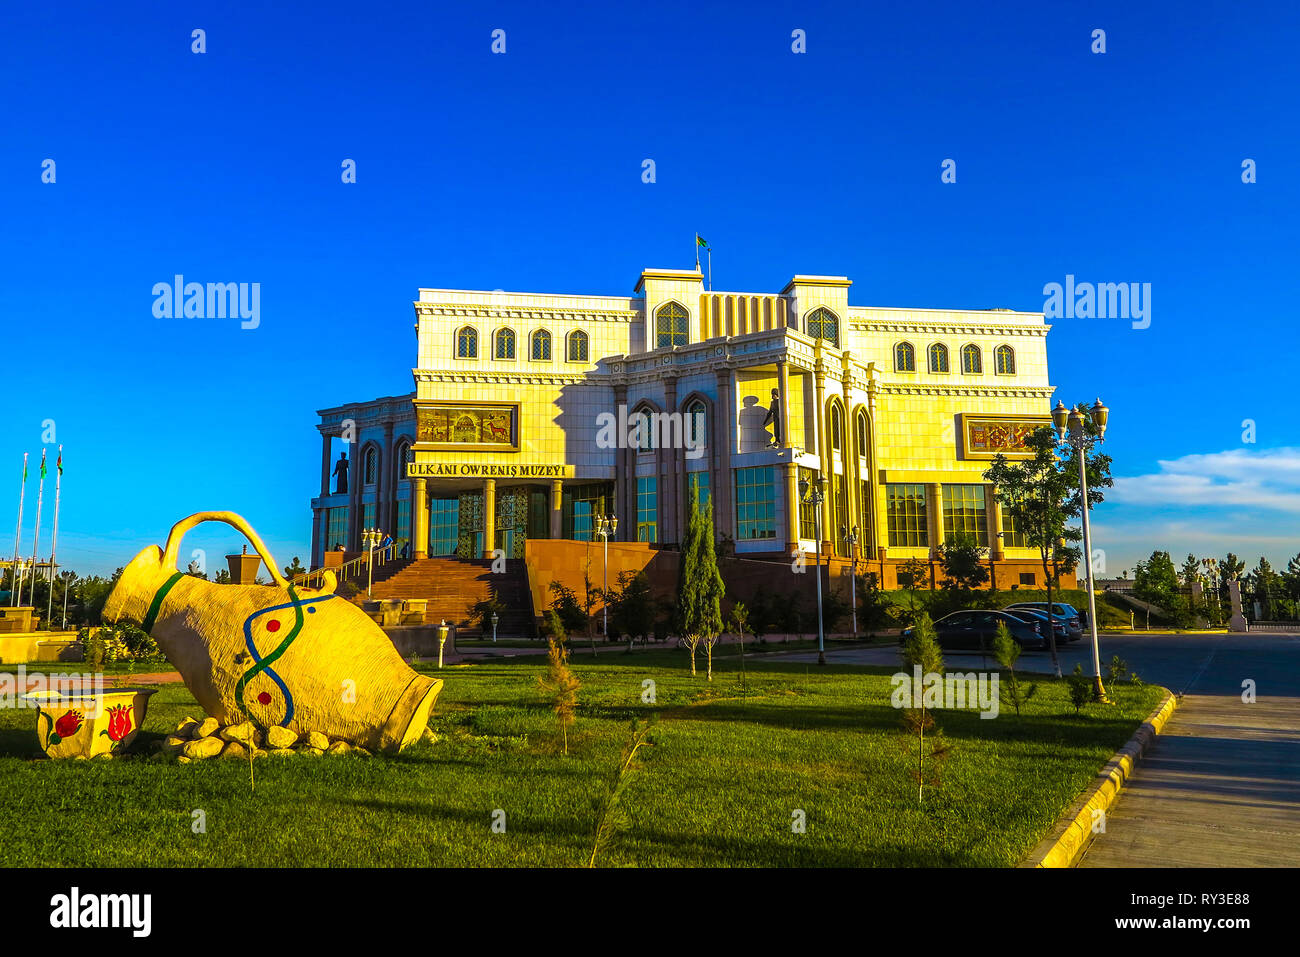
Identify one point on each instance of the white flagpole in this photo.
(708, 251)
(18, 537)
(36, 541)
(697, 252)
(54, 541)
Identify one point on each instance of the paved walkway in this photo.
(1220, 786)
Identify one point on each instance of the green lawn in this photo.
(717, 788)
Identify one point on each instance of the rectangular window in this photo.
(1013, 535)
(647, 509)
(807, 512)
(368, 513)
(755, 503)
(964, 513)
(336, 529)
(403, 531)
(864, 520)
(1029, 578)
(907, 519)
(444, 526)
(697, 484)
(581, 505)
(840, 511)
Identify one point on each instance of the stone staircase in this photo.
(452, 585)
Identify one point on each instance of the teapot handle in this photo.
(171, 551)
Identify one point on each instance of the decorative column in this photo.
(824, 456)
(723, 512)
(622, 476)
(325, 465)
(670, 521)
(783, 385)
(386, 492)
(354, 499)
(791, 475)
(993, 512)
(419, 519)
(557, 508)
(317, 557)
(934, 514)
(489, 517)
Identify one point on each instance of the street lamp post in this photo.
(1070, 428)
(370, 538)
(606, 525)
(495, 619)
(67, 583)
(852, 539)
(814, 497)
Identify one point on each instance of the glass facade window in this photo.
(643, 429)
(697, 484)
(972, 361)
(403, 531)
(904, 357)
(695, 424)
(670, 326)
(862, 435)
(837, 429)
(1012, 535)
(807, 512)
(755, 503)
(908, 523)
(581, 505)
(938, 357)
(368, 513)
(578, 350)
(370, 467)
(964, 513)
(647, 509)
(336, 528)
(444, 526)
(505, 344)
(541, 348)
(840, 511)
(1005, 361)
(864, 517)
(823, 324)
(467, 343)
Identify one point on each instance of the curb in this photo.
(1073, 832)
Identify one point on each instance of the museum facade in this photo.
(537, 416)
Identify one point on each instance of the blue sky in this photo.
(523, 171)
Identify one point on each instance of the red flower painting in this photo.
(67, 726)
(119, 723)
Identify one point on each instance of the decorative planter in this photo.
(84, 725)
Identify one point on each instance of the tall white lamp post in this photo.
(814, 497)
(370, 538)
(606, 525)
(1070, 428)
(852, 539)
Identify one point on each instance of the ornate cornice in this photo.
(507, 378)
(1023, 391)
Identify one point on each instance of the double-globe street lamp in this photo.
(1070, 429)
(370, 538)
(851, 539)
(606, 525)
(814, 497)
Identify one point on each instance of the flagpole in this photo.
(697, 252)
(708, 251)
(18, 537)
(54, 540)
(36, 541)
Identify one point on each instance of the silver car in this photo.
(1061, 612)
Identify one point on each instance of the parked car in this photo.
(1039, 617)
(1072, 620)
(974, 629)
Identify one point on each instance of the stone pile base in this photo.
(199, 740)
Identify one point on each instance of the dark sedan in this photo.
(975, 629)
(1064, 615)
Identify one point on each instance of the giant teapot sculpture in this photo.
(276, 654)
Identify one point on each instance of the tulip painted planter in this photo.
(83, 726)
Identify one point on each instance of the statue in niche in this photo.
(774, 418)
(341, 473)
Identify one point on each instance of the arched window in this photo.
(1005, 361)
(370, 467)
(401, 455)
(541, 348)
(643, 431)
(505, 344)
(670, 325)
(972, 360)
(837, 428)
(938, 357)
(862, 434)
(904, 357)
(467, 343)
(578, 346)
(822, 324)
(695, 425)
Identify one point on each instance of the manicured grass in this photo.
(718, 787)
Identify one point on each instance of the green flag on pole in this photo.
(701, 241)
(59, 463)
(42, 464)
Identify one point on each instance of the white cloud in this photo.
(1267, 480)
